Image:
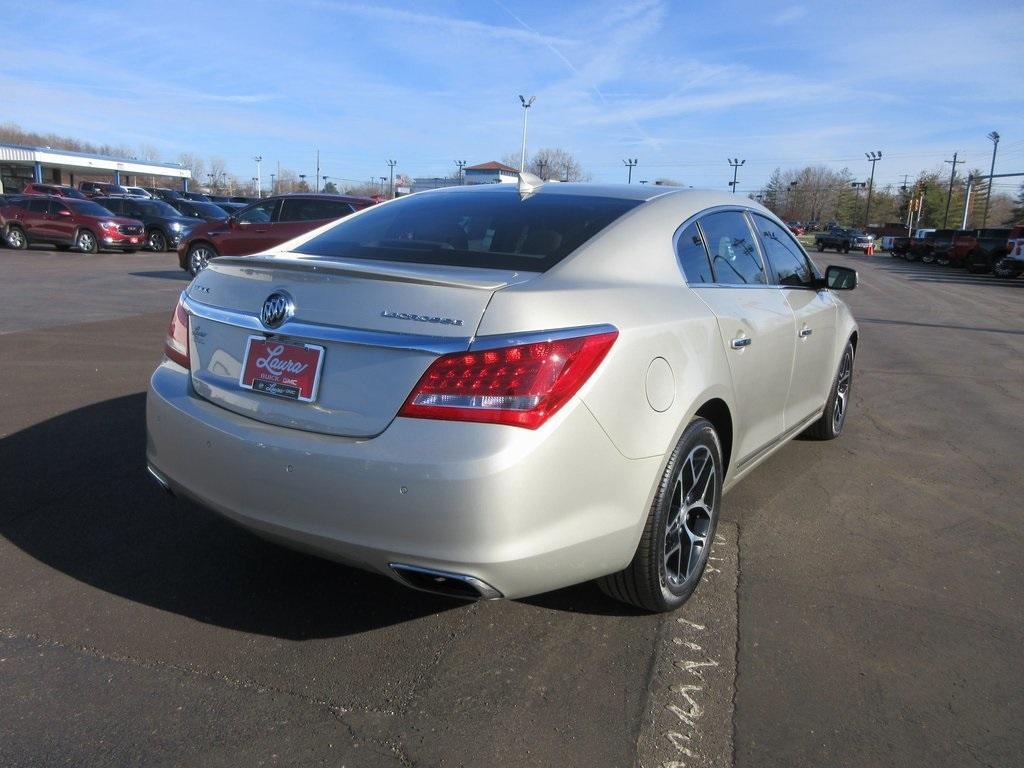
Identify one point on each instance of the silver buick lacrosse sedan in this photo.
(499, 390)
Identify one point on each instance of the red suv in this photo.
(263, 225)
(69, 223)
(59, 190)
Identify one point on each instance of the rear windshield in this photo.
(491, 228)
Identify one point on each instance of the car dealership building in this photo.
(21, 165)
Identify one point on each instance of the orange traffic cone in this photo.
(870, 250)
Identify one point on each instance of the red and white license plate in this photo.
(283, 370)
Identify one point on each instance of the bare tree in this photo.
(550, 163)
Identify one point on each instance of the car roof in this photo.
(641, 192)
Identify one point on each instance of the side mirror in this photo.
(840, 278)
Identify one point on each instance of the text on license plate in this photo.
(283, 370)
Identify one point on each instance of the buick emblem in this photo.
(276, 309)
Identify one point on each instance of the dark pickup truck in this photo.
(842, 240)
(953, 248)
(991, 247)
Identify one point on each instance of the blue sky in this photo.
(681, 86)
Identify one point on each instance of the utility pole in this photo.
(735, 172)
(259, 176)
(527, 103)
(949, 193)
(391, 166)
(461, 164)
(541, 165)
(273, 184)
(994, 138)
(325, 181)
(630, 163)
(873, 157)
(316, 179)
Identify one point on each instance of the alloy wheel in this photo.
(198, 259)
(842, 391)
(690, 517)
(16, 239)
(86, 242)
(157, 242)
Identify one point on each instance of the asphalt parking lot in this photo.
(864, 605)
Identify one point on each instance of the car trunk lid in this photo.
(380, 325)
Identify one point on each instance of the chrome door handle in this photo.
(746, 341)
(805, 332)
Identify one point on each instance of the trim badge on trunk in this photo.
(420, 318)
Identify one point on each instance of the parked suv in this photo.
(164, 225)
(955, 248)
(99, 189)
(263, 225)
(69, 223)
(58, 190)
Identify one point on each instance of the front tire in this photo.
(16, 238)
(156, 241)
(86, 242)
(680, 527)
(831, 423)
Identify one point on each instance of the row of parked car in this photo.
(199, 230)
(998, 250)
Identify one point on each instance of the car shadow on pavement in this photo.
(77, 497)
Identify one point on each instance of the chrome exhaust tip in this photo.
(444, 582)
(160, 480)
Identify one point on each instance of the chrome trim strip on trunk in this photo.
(534, 337)
(438, 345)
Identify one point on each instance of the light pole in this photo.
(212, 179)
(259, 176)
(873, 157)
(736, 163)
(461, 164)
(273, 184)
(631, 163)
(383, 181)
(391, 167)
(302, 179)
(527, 103)
(994, 138)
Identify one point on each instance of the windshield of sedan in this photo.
(88, 208)
(493, 229)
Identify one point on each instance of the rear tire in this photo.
(16, 238)
(199, 256)
(821, 248)
(831, 423)
(680, 527)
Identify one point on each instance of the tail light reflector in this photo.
(521, 386)
(176, 343)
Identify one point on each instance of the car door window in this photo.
(787, 261)
(39, 206)
(734, 255)
(693, 256)
(259, 214)
(311, 209)
(114, 206)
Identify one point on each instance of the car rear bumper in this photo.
(522, 511)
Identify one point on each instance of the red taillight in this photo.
(176, 343)
(522, 386)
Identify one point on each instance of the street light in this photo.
(873, 157)
(273, 184)
(994, 138)
(259, 176)
(527, 103)
(736, 163)
(302, 178)
(630, 163)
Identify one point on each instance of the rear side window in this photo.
(311, 209)
(112, 205)
(734, 255)
(788, 263)
(39, 206)
(492, 227)
(693, 257)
